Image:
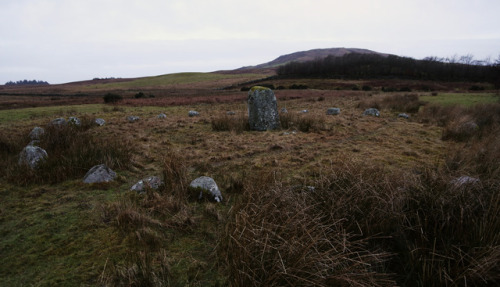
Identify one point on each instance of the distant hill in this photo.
(304, 56)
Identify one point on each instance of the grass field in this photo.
(382, 214)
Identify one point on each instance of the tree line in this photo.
(26, 83)
(356, 65)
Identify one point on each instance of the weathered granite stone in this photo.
(36, 133)
(59, 122)
(371, 112)
(262, 109)
(230, 113)
(304, 111)
(152, 182)
(132, 119)
(333, 111)
(161, 116)
(193, 113)
(32, 156)
(100, 122)
(404, 116)
(99, 173)
(74, 121)
(207, 184)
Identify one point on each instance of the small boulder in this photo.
(100, 122)
(36, 133)
(230, 113)
(207, 184)
(284, 110)
(132, 119)
(193, 113)
(304, 111)
(404, 116)
(161, 116)
(32, 156)
(59, 122)
(152, 182)
(99, 173)
(74, 121)
(333, 111)
(371, 112)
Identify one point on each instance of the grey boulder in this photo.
(100, 122)
(36, 133)
(152, 182)
(99, 173)
(59, 122)
(371, 112)
(404, 116)
(161, 116)
(132, 119)
(193, 113)
(333, 111)
(74, 121)
(207, 184)
(32, 156)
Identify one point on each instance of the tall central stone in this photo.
(262, 109)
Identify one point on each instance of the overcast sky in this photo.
(62, 41)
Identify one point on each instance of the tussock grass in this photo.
(72, 151)
(307, 122)
(408, 103)
(236, 123)
(363, 226)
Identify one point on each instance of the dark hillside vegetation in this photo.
(359, 66)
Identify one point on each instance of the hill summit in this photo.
(304, 56)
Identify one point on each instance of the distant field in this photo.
(178, 79)
(464, 99)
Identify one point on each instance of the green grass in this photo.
(172, 79)
(34, 113)
(463, 99)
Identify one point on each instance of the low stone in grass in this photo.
(262, 109)
(74, 121)
(36, 133)
(284, 110)
(464, 181)
(404, 116)
(100, 122)
(207, 184)
(152, 182)
(98, 174)
(161, 116)
(193, 113)
(230, 113)
(132, 119)
(333, 111)
(371, 112)
(32, 156)
(59, 122)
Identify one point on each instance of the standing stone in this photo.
(207, 184)
(99, 173)
(371, 112)
(36, 133)
(333, 111)
(262, 109)
(32, 156)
